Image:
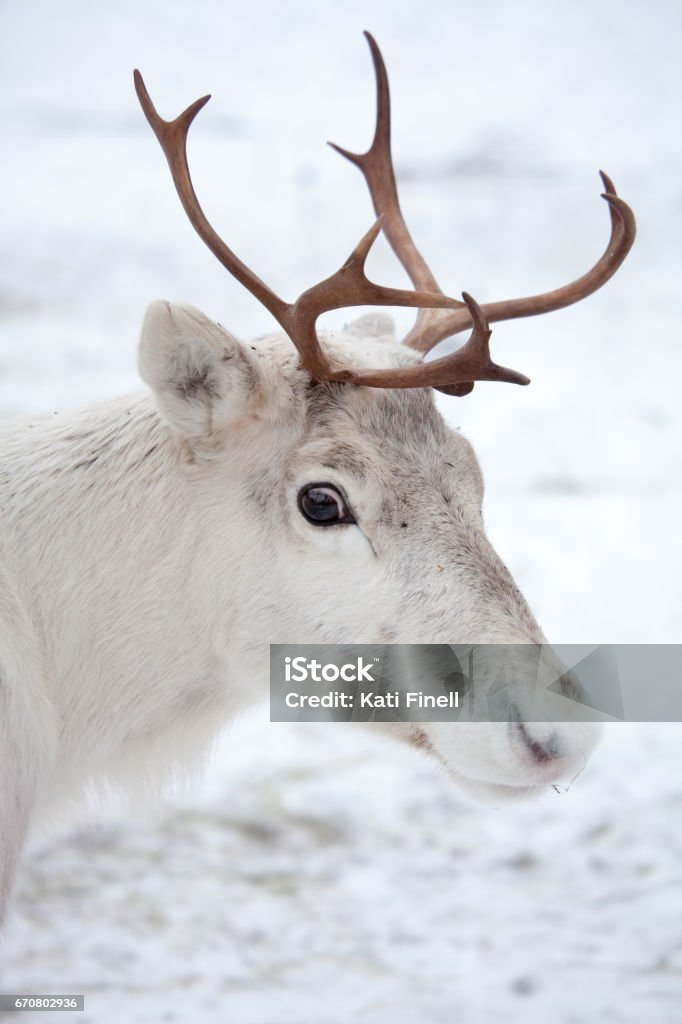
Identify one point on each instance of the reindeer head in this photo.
(333, 462)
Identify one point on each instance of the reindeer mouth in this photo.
(479, 790)
(494, 792)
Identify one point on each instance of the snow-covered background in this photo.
(318, 875)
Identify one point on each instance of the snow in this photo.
(319, 874)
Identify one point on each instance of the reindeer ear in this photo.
(202, 378)
(372, 325)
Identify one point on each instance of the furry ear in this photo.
(372, 325)
(203, 379)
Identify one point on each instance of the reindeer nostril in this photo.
(543, 750)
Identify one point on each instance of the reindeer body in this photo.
(151, 548)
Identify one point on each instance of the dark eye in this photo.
(323, 505)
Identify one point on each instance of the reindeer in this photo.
(300, 489)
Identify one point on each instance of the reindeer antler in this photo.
(439, 316)
(434, 325)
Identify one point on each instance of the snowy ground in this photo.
(318, 875)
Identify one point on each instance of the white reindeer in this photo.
(152, 547)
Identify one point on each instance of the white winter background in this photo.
(317, 875)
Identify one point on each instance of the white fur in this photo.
(151, 549)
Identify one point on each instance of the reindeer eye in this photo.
(323, 505)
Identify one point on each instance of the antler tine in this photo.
(350, 286)
(623, 231)
(172, 136)
(453, 374)
(377, 168)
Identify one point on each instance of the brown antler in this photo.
(439, 316)
(432, 324)
(349, 286)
